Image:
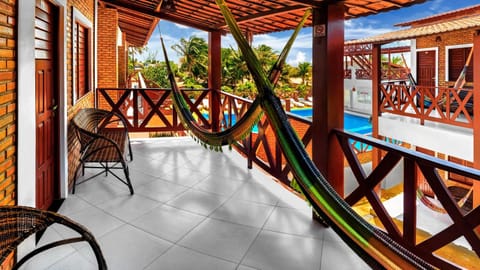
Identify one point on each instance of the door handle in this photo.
(54, 108)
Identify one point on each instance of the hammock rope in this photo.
(369, 243)
(438, 208)
(372, 245)
(243, 126)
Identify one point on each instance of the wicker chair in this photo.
(104, 140)
(17, 223)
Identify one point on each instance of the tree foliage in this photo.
(193, 54)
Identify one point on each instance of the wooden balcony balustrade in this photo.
(150, 109)
(140, 106)
(438, 104)
(434, 246)
(387, 74)
(347, 74)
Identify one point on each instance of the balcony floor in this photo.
(194, 209)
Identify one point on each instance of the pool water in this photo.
(351, 122)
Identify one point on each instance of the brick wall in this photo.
(8, 90)
(441, 41)
(107, 48)
(73, 144)
(87, 8)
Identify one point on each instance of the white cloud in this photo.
(299, 57)
(181, 26)
(362, 28)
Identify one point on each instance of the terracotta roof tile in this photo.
(421, 31)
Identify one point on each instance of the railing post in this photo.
(376, 80)
(476, 113)
(327, 90)
(249, 146)
(409, 201)
(214, 77)
(135, 108)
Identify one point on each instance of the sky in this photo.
(301, 52)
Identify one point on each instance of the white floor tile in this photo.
(243, 212)
(219, 185)
(161, 190)
(127, 208)
(220, 239)
(97, 221)
(198, 202)
(335, 252)
(278, 251)
(129, 248)
(180, 258)
(294, 221)
(167, 222)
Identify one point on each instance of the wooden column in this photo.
(376, 80)
(327, 91)
(476, 113)
(214, 76)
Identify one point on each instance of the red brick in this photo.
(6, 98)
(11, 64)
(11, 107)
(6, 53)
(11, 43)
(11, 171)
(6, 76)
(3, 18)
(11, 86)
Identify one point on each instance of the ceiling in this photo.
(138, 18)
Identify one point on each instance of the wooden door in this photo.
(46, 97)
(426, 74)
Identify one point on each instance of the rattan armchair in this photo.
(17, 223)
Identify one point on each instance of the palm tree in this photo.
(266, 55)
(194, 56)
(304, 70)
(234, 68)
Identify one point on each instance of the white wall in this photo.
(445, 139)
(360, 99)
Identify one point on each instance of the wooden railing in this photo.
(387, 74)
(443, 239)
(363, 74)
(347, 73)
(437, 104)
(261, 147)
(150, 109)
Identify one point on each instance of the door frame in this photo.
(415, 63)
(26, 162)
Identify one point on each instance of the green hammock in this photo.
(379, 251)
(243, 126)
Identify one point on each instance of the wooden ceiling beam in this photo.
(140, 10)
(262, 15)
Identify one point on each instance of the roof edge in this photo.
(452, 12)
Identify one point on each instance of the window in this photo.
(81, 61)
(81, 55)
(457, 58)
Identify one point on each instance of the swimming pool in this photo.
(351, 122)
